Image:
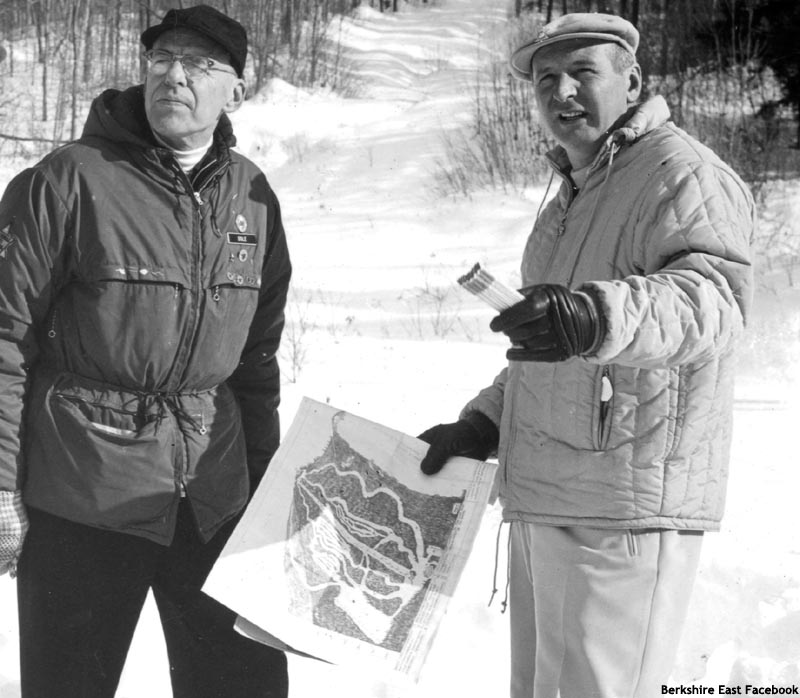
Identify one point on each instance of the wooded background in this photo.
(85, 45)
(728, 54)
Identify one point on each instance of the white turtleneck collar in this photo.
(187, 159)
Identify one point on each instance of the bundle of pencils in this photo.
(496, 294)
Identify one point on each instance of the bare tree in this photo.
(79, 27)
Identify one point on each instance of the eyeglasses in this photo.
(159, 62)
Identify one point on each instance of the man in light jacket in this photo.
(612, 419)
(143, 278)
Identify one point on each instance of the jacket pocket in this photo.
(676, 414)
(228, 314)
(129, 330)
(96, 432)
(604, 392)
(217, 473)
(101, 455)
(97, 416)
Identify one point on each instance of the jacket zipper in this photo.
(203, 180)
(51, 333)
(562, 226)
(197, 302)
(184, 350)
(611, 151)
(196, 312)
(573, 194)
(197, 244)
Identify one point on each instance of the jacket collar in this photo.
(644, 118)
(120, 116)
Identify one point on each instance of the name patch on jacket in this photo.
(242, 239)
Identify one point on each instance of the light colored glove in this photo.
(13, 527)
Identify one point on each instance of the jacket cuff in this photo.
(486, 428)
(595, 308)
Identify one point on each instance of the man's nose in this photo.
(175, 74)
(566, 88)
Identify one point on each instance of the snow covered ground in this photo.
(380, 329)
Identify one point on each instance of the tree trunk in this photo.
(286, 22)
(88, 58)
(114, 35)
(664, 40)
(43, 45)
(316, 42)
(77, 22)
(145, 20)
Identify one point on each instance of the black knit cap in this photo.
(210, 22)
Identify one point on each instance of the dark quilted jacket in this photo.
(140, 316)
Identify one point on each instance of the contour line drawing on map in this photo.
(362, 547)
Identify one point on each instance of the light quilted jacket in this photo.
(638, 434)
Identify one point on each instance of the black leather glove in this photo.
(551, 324)
(474, 436)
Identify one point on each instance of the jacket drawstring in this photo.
(504, 604)
(546, 192)
(215, 205)
(508, 568)
(168, 402)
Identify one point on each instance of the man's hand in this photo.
(13, 527)
(551, 324)
(475, 436)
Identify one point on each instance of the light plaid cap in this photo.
(575, 25)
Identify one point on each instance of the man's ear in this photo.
(237, 96)
(634, 83)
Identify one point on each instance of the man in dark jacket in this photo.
(143, 278)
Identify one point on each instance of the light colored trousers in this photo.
(597, 613)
